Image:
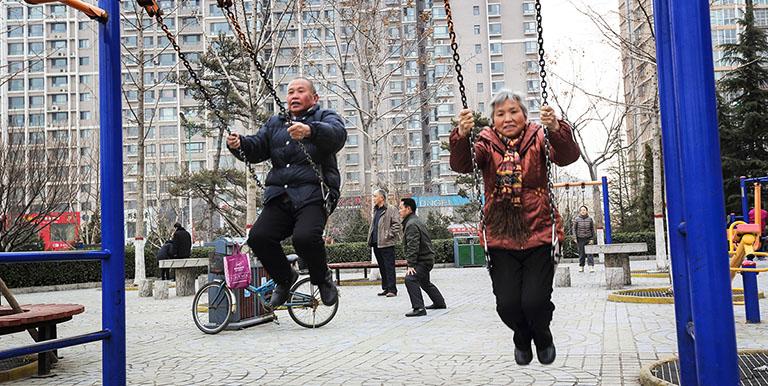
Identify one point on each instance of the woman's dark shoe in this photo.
(523, 357)
(546, 355)
(329, 295)
(382, 293)
(435, 307)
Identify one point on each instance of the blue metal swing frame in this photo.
(112, 256)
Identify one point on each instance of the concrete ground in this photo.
(370, 342)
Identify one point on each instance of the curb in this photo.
(648, 379)
(21, 372)
(626, 296)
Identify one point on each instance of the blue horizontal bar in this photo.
(20, 257)
(756, 179)
(54, 344)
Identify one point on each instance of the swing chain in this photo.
(206, 95)
(547, 144)
(226, 5)
(472, 137)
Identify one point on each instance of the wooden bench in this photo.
(43, 317)
(365, 265)
(185, 270)
(617, 256)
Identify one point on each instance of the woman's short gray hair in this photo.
(380, 192)
(506, 94)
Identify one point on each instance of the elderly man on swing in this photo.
(511, 156)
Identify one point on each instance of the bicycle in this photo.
(213, 305)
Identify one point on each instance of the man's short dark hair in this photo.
(177, 225)
(409, 202)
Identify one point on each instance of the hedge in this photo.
(38, 274)
(53, 273)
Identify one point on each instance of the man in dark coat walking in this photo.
(421, 258)
(294, 199)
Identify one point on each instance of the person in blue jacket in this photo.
(295, 203)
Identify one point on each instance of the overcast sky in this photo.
(580, 54)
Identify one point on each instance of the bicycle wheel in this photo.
(306, 308)
(212, 307)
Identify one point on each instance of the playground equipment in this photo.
(112, 256)
(606, 210)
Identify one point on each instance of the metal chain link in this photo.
(547, 146)
(226, 5)
(462, 91)
(206, 95)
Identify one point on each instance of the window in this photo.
(168, 149)
(15, 48)
(352, 140)
(197, 166)
(480, 87)
(494, 28)
(494, 9)
(476, 10)
(36, 83)
(533, 105)
(531, 66)
(85, 79)
(36, 101)
(16, 85)
(440, 32)
(168, 131)
(531, 47)
(497, 67)
(476, 29)
(84, 60)
(35, 30)
(168, 59)
(59, 81)
(761, 17)
(478, 48)
(189, 22)
(36, 137)
(168, 95)
(58, 10)
(529, 9)
(59, 118)
(15, 31)
(59, 99)
(353, 159)
(533, 85)
(16, 120)
(169, 168)
(168, 113)
(195, 147)
(496, 86)
(445, 110)
(85, 115)
(149, 42)
(57, 28)
(479, 68)
(219, 28)
(129, 41)
(15, 103)
(529, 27)
(58, 45)
(59, 63)
(723, 36)
(82, 25)
(15, 13)
(35, 48)
(723, 16)
(353, 176)
(191, 39)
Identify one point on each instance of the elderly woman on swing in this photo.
(511, 157)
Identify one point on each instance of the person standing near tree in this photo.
(294, 199)
(382, 237)
(584, 232)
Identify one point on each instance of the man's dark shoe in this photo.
(523, 357)
(435, 307)
(329, 294)
(546, 355)
(382, 293)
(417, 312)
(282, 291)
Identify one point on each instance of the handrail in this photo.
(54, 344)
(37, 256)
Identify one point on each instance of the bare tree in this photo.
(35, 188)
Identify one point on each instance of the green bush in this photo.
(351, 252)
(53, 273)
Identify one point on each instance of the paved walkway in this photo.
(370, 342)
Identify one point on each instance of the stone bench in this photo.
(185, 270)
(617, 256)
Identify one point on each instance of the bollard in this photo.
(751, 300)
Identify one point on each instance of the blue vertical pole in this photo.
(744, 198)
(112, 237)
(701, 224)
(606, 212)
(751, 299)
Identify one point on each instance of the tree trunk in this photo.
(140, 271)
(662, 262)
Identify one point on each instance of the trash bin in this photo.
(248, 310)
(467, 252)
